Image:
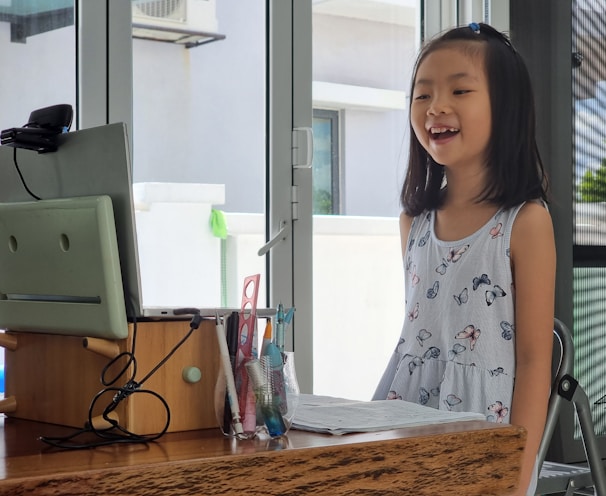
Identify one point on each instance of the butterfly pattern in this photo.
(393, 395)
(415, 361)
(500, 412)
(457, 349)
(425, 395)
(496, 231)
(411, 269)
(453, 256)
(471, 333)
(462, 297)
(433, 291)
(423, 336)
(478, 281)
(497, 371)
(424, 239)
(494, 293)
(414, 313)
(458, 337)
(451, 401)
(507, 330)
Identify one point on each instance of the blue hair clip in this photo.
(475, 27)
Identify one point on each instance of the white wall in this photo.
(358, 295)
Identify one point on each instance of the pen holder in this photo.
(276, 393)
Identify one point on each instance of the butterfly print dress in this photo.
(457, 346)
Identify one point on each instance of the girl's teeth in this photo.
(438, 130)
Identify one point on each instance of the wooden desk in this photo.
(466, 458)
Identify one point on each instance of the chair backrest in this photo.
(563, 354)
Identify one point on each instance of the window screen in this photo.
(589, 172)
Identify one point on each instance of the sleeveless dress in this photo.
(457, 346)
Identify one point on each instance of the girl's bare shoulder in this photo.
(533, 216)
(533, 228)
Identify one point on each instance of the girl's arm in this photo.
(533, 261)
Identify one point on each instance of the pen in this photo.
(280, 327)
(231, 329)
(229, 377)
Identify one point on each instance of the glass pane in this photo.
(199, 131)
(589, 100)
(363, 53)
(326, 162)
(37, 43)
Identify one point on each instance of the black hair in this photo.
(515, 170)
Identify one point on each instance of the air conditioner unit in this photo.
(179, 21)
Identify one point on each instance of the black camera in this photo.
(41, 130)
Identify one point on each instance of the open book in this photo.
(341, 416)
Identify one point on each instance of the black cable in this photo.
(130, 355)
(117, 433)
(36, 197)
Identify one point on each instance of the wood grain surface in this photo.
(465, 458)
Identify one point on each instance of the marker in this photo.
(266, 336)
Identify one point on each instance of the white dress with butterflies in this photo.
(457, 347)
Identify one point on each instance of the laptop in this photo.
(88, 162)
(60, 268)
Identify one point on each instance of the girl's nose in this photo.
(438, 106)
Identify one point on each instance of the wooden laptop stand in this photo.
(54, 378)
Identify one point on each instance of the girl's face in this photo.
(450, 107)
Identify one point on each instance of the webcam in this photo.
(41, 130)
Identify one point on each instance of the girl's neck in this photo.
(454, 222)
(461, 213)
(464, 188)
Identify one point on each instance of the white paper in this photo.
(340, 416)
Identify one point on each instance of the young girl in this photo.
(477, 241)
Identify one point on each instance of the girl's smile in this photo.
(442, 134)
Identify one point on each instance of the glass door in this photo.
(199, 148)
(363, 55)
(363, 52)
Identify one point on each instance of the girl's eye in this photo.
(461, 92)
(421, 97)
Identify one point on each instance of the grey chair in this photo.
(565, 478)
